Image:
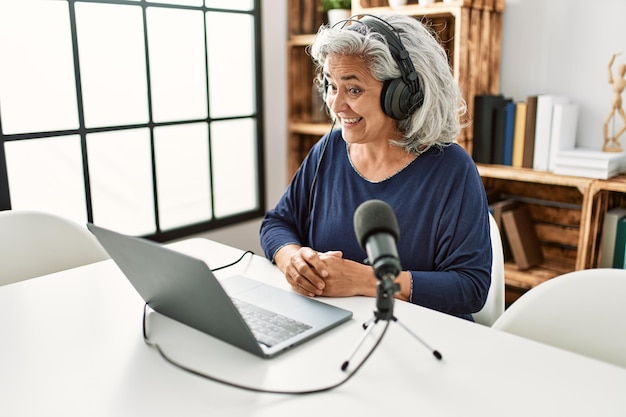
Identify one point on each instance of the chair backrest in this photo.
(581, 311)
(494, 306)
(36, 243)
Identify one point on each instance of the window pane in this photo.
(112, 64)
(233, 151)
(120, 171)
(181, 2)
(177, 64)
(229, 4)
(47, 175)
(231, 64)
(37, 87)
(182, 167)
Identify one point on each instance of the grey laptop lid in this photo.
(184, 289)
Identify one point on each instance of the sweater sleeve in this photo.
(288, 222)
(461, 277)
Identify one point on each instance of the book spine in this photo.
(543, 130)
(609, 231)
(509, 132)
(482, 146)
(496, 209)
(563, 135)
(498, 133)
(620, 244)
(520, 231)
(529, 131)
(519, 132)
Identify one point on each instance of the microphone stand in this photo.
(386, 290)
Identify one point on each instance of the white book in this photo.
(597, 173)
(590, 158)
(543, 129)
(563, 133)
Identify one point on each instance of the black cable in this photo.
(233, 263)
(317, 168)
(257, 389)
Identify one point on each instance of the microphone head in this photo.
(374, 216)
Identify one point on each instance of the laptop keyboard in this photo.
(268, 327)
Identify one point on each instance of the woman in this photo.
(399, 116)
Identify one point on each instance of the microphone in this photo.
(377, 231)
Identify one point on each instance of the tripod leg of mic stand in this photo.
(368, 326)
(435, 353)
(367, 323)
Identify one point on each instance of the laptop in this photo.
(236, 310)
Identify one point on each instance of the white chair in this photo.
(581, 311)
(494, 306)
(36, 243)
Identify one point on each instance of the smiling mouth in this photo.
(352, 120)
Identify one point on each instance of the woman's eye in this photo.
(354, 91)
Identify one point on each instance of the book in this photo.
(509, 131)
(519, 133)
(522, 237)
(590, 163)
(543, 129)
(609, 231)
(563, 134)
(496, 209)
(529, 131)
(484, 111)
(620, 244)
(596, 173)
(590, 158)
(499, 132)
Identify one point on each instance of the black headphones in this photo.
(400, 97)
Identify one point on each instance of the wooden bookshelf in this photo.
(568, 213)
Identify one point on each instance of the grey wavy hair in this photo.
(437, 121)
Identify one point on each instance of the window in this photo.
(141, 116)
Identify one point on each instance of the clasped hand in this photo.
(325, 274)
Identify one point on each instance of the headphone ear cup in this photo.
(395, 99)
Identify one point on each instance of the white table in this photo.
(72, 346)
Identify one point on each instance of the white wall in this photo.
(564, 47)
(548, 46)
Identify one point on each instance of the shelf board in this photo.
(530, 175)
(532, 277)
(612, 184)
(432, 10)
(301, 40)
(302, 128)
(497, 5)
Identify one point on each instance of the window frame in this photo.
(258, 116)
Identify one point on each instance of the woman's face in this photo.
(354, 97)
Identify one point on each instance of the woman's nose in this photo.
(337, 102)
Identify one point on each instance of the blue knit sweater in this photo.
(440, 204)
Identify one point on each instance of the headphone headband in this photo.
(401, 96)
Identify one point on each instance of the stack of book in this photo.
(590, 163)
(525, 134)
(539, 133)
